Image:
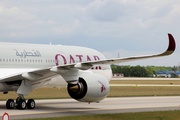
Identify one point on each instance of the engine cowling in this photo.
(92, 87)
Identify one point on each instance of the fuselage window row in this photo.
(26, 60)
(39, 61)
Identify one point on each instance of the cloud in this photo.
(105, 10)
(129, 15)
(106, 25)
(97, 18)
(14, 15)
(65, 29)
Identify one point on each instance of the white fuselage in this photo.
(18, 58)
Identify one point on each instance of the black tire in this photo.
(21, 104)
(10, 104)
(31, 104)
(17, 101)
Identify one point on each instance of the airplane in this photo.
(85, 72)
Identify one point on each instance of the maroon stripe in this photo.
(172, 44)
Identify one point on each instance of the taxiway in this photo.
(67, 107)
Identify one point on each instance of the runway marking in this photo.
(143, 85)
(90, 110)
(55, 104)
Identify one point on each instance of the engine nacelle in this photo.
(92, 87)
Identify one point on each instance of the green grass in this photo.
(41, 93)
(52, 93)
(119, 91)
(157, 82)
(157, 115)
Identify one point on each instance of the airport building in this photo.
(118, 75)
(168, 74)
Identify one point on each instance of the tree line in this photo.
(140, 71)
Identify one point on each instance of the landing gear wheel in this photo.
(31, 104)
(21, 104)
(10, 104)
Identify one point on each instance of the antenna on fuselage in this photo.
(118, 57)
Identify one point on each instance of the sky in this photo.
(117, 28)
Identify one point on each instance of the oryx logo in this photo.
(102, 87)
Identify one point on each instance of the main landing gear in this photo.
(20, 103)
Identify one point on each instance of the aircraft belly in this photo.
(8, 72)
(4, 87)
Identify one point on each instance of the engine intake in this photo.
(92, 87)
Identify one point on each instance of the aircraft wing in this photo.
(170, 50)
(38, 74)
(41, 74)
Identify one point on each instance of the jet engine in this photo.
(92, 87)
